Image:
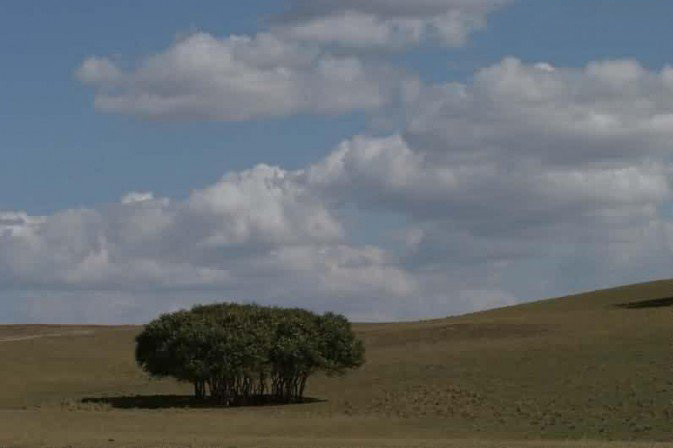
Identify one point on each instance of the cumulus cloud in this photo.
(609, 110)
(520, 148)
(527, 168)
(256, 234)
(526, 181)
(385, 23)
(309, 60)
(240, 78)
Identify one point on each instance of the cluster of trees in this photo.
(238, 354)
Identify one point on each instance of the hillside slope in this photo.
(582, 366)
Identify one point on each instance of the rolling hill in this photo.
(581, 370)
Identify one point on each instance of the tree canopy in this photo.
(236, 353)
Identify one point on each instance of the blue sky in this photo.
(61, 151)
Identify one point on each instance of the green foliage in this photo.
(241, 353)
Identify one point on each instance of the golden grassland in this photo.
(578, 371)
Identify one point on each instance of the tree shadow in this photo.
(189, 401)
(653, 303)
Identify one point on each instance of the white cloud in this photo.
(385, 23)
(136, 196)
(254, 235)
(308, 61)
(565, 173)
(604, 112)
(527, 142)
(98, 71)
(239, 78)
(18, 223)
(527, 181)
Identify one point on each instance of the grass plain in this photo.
(590, 370)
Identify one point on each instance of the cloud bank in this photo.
(526, 181)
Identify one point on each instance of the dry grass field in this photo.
(580, 371)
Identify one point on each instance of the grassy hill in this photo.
(588, 368)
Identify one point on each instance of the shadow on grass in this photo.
(654, 303)
(188, 401)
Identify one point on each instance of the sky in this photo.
(385, 159)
